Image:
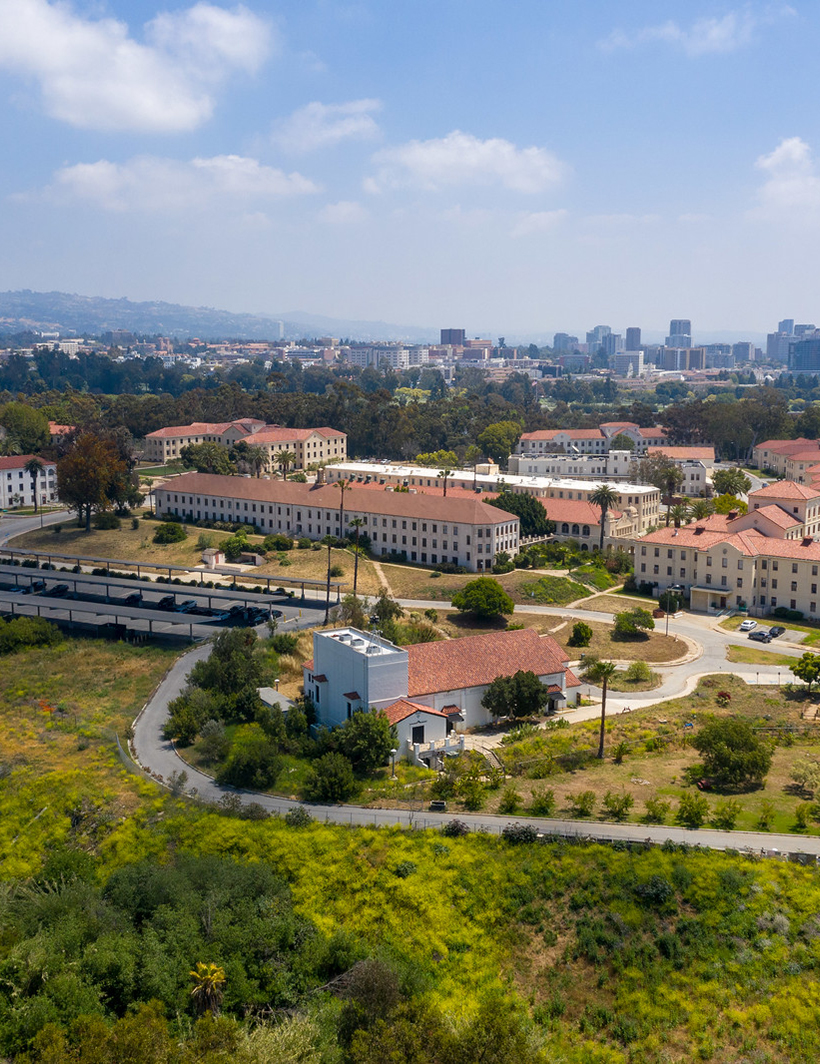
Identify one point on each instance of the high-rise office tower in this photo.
(786, 326)
(633, 339)
(680, 333)
(455, 337)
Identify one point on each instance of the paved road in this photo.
(158, 756)
(17, 526)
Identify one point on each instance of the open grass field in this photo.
(752, 656)
(60, 707)
(656, 755)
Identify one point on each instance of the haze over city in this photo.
(518, 169)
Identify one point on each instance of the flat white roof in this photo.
(363, 642)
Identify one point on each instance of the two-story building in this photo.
(430, 689)
(427, 529)
(595, 441)
(16, 482)
(315, 446)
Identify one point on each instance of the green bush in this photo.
(638, 672)
(27, 632)
(284, 642)
(303, 543)
(510, 801)
(693, 809)
(107, 521)
(582, 804)
(725, 814)
(277, 541)
(657, 810)
(542, 802)
(581, 635)
(170, 532)
(253, 760)
(331, 779)
(337, 570)
(618, 805)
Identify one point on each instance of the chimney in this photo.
(732, 514)
(321, 476)
(807, 541)
(699, 530)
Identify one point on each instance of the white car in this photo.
(748, 625)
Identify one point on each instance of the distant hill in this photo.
(77, 315)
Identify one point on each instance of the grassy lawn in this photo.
(61, 706)
(656, 648)
(657, 754)
(752, 656)
(621, 683)
(617, 603)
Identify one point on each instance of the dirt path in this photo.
(382, 577)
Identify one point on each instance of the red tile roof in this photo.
(788, 446)
(18, 461)
(749, 542)
(650, 433)
(699, 454)
(784, 489)
(577, 511)
(777, 515)
(477, 660)
(328, 497)
(404, 708)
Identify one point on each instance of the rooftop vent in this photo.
(699, 530)
(807, 541)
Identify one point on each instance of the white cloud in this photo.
(150, 184)
(537, 222)
(463, 159)
(345, 212)
(320, 125)
(92, 74)
(706, 36)
(791, 184)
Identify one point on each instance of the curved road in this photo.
(158, 756)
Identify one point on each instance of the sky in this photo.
(512, 167)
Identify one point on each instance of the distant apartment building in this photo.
(310, 446)
(16, 483)
(682, 358)
(695, 463)
(777, 346)
(804, 356)
(614, 465)
(743, 351)
(564, 342)
(633, 339)
(590, 441)
(773, 456)
(764, 559)
(627, 364)
(453, 337)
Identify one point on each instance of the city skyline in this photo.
(509, 169)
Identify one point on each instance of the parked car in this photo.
(761, 636)
(36, 587)
(166, 602)
(57, 590)
(184, 607)
(777, 630)
(747, 625)
(134, 599)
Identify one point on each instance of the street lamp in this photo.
(393, 763)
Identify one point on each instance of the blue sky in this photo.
(508, 167)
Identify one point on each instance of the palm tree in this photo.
(209, 980)
(257, 459)
(680, 514)
(673, 478)
(342, 485)
(285, 459)
(604, 496)
(357, 523)
(600, 672)
(34, 467)
(444, 474)
(701, 508)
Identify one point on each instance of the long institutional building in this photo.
(427, 529)
(310, 446)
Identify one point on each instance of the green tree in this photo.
(521, 695)
(366, 740)
(701, 508)
(679, 514)
(483, 597)
(330, 779)
(437, 458)
(581, 635)
(730, 481)
(250, 458)
(285, 459)
(498, 439)
(629, 624)
(233, 667)
(34, 467)
(529, 511)
(807, 669)
(622, 442)
(170, 532)
(445, 475)
(27, 429)
(207, 458)
(604, 496)
(600, 672)
(726, 504)
(208, 989)
(733, 753)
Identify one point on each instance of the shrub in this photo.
(581, 635)
(638, 672)
(204, 541)
(26, 632)
(632, 624)
(284, 642)
(303, 543)
(169, 532)
(582, 804)
(726, 814)
(693, 809)
(620, 752)
(542, 802)
(252, 761)
(298, 817)
(277, 541)
(473, 793)
(802, 816)
(765, 816)
(135, 522)
(618, 805)
(732, 751)
(331, 779)
(519, 833)
(107, 521)
(510, 801)
(657, 810)
(454, 829)
(337, 570)
(723, 698)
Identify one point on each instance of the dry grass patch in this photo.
(750, 655)
(618, 603)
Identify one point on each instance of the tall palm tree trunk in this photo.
(603, 720)
(356, 564)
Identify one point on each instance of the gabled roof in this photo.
(404, 708)
(750, 542)
(18, 461)
(650, 433)
(328, 497)
(477, 660)
(784, 489)
(788, 446)
(777, 515)
(576, 510)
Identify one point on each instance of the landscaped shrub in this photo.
(337, 570)
(284, 642)
(107, 521)
(542, 802)
(253, 760)
(298, 817)
(519, 833)
(510, 801)
(726, 814)
(657, 810)
(170, 532)
(454, 829)
(331, 779)
(638, 672)
(581, 635)
(26, 632)
(582, 804)
(277, 542)
(693, 809)
(303, 543)
(618, 805)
